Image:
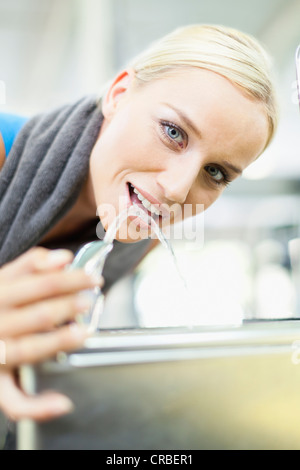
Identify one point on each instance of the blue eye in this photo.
(215, 173)
(173, 133)
(220, 177)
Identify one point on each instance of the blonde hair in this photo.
(235, 55)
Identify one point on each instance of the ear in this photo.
(117, 91)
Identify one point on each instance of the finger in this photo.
(36, 260)
(37, 287)
(44, 316)
(17, 405)
(34, 348)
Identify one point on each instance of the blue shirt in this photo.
(10, 125)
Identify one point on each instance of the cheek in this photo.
(96, 167)
(122, 147)
(201, 197)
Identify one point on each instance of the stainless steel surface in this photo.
(2, 429)
(298, 70)
(232, 388)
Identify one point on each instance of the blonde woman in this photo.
(173, 129)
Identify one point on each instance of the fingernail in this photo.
(79, 332)
(62, 405)
(96, 278)
(59, 258)
(84, 301)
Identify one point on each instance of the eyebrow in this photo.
(235, 169)
(196, 131)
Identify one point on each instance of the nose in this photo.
(177, 179)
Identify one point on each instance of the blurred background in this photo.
(244, 261)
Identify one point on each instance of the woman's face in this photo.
(172, 145)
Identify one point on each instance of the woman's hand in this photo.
(38, 300)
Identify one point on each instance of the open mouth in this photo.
(138, 199)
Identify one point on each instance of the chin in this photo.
(132, 232)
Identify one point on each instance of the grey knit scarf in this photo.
(42, 178)
(44, 173)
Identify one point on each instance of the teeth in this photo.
(147, 204)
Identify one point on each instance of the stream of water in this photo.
(94, 262)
